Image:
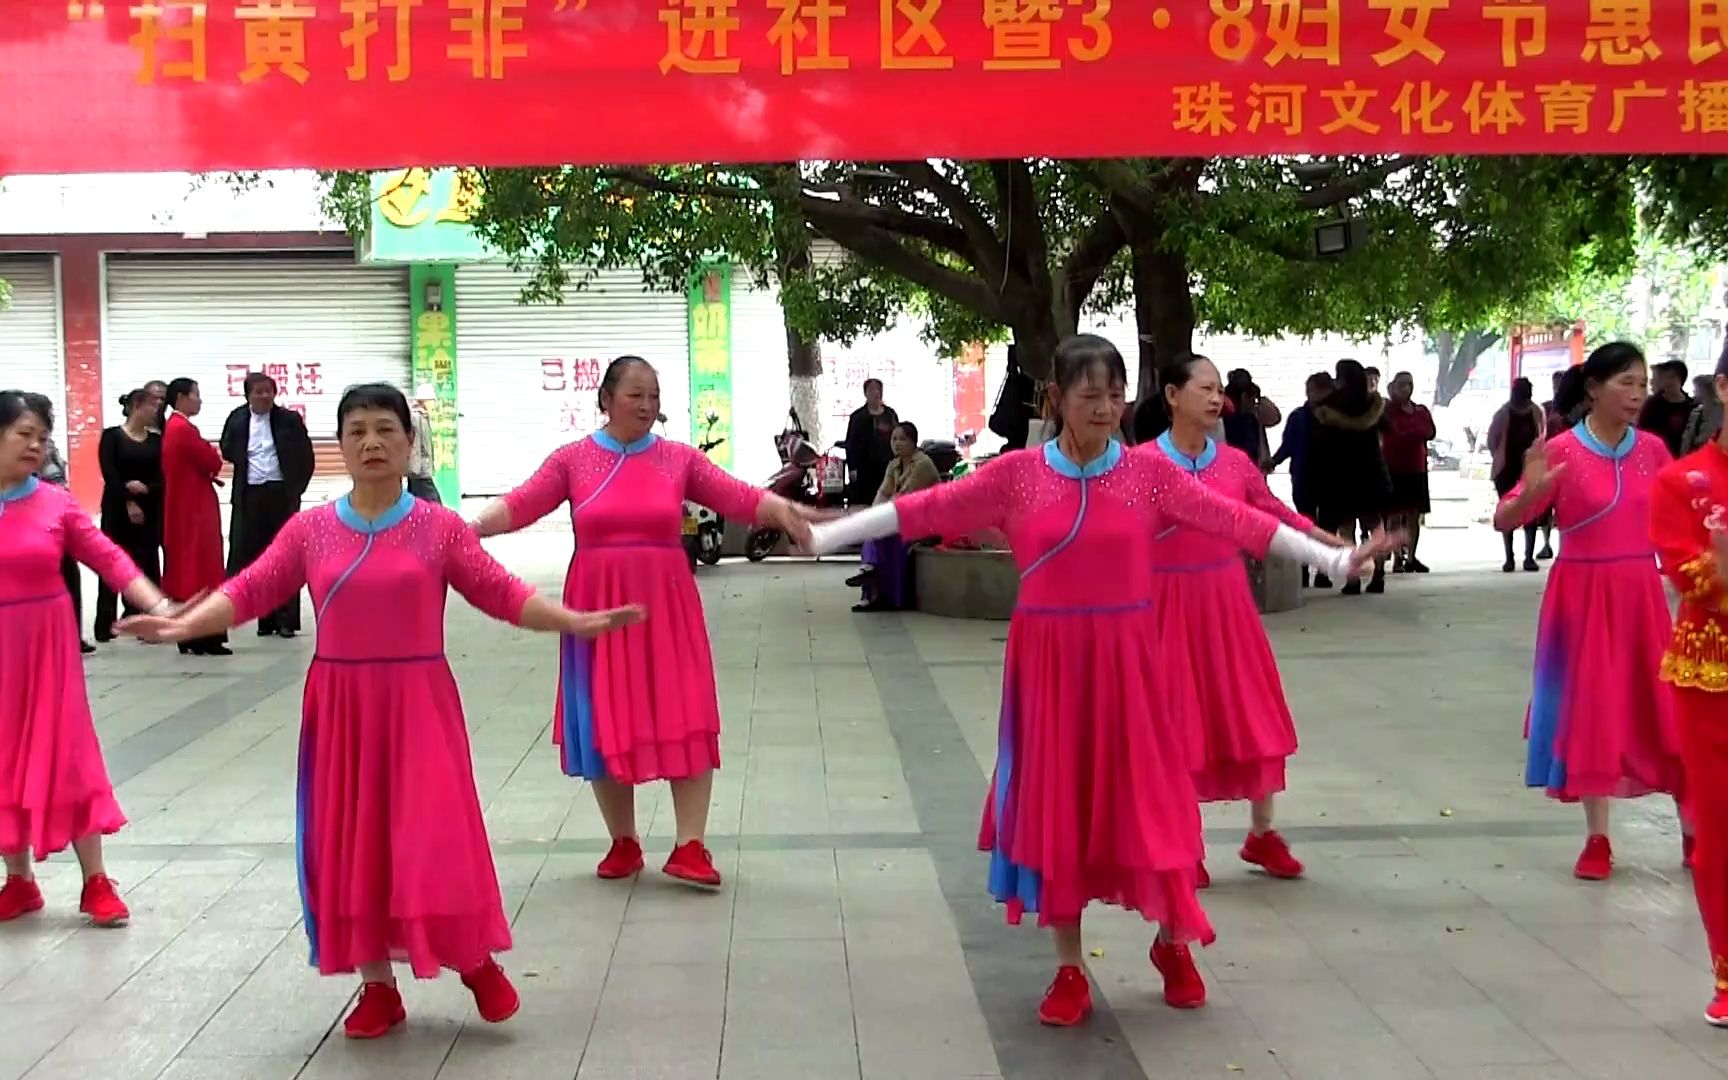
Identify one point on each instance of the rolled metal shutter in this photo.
(317, 322)
(527, 374)
(32, 348)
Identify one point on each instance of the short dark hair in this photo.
(179, 388)
(254, 379)
(872, 381)
(15, 404)
(380, 396)
(1371, 372)
(908, 429)
(1676, 368)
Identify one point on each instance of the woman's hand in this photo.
(591, 624)
(134, 513)
(156, 629)
(1539, 475)
(136, 487)
(778, 513)
(1380, 543)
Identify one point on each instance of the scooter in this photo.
(704, 530)
(806, 477)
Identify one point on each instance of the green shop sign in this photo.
(711, 360)
(422, 215)
(432, 291)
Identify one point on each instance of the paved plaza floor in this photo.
(1438, 934)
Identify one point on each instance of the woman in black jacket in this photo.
(131, 458)
(1346, 470)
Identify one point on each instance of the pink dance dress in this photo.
(54, 786)
(1216, 668)
(639, 704)
(1091, 797)
(393, 856)
(1600, 723)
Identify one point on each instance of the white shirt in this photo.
(420, 454)
(261, 464)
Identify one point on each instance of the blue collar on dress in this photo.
(389, 519)
(1098, 466)
(612, 445)
(22, 491)
(1194, 465)
(1597, 447)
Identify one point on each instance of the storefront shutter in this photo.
(31, 349)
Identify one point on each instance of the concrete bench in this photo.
(965, 584)
(985, 584)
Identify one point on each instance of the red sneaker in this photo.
(623, 860)
(496, 999)
(1596, 862)
(378, 1010)
(1688, 851)
(101, 901)
(1183, 986)
(1270, 853)
(693, 863)
(21, 896)
(1202, 879)
(1068, 1001)
(1716, 1015)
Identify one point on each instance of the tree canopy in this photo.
(1028, 248)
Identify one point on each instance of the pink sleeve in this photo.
(709, 485)
(87, 544)
(1260, 497)
(541, 493)
(978, 501)
(1186, 501)
(273, 577)
(482, 580)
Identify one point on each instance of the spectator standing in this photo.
(1249, 417)
(131, 457)
(868, 451)
(1347, 470)
(1405, 433)
(1515, 429)
(1705, 423)
(420, 484)
(1669, 407)
(272, 458)
(191, 513)
(1294, 446)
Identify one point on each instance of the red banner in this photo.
(104, 85)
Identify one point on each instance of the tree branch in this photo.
(881, 248)
(1086, 263)
(986, 252)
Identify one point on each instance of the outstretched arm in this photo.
(1260, 497)
(541, 494)
(484, 582)
(90, 546)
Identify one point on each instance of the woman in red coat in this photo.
(191, 516)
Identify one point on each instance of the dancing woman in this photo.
(1592, 739)
(1216, 668)
(1092, 798)
(638, 706)
(54, 788)
(1689, 526)
(393, 857)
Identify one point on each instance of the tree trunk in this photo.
(804, 366)
(1458, 356)
(1163, 311)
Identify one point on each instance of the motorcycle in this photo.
(704, 530)
(806, 477)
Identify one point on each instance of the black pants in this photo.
(260, 511)
(70, 574)
(1344, 523)
(143, 545)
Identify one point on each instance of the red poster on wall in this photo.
(107, 85)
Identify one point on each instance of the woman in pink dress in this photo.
(1593, 738)
(1216, 669)
(638, 706)
(1092, 797)
(393, 858)
(54, 789)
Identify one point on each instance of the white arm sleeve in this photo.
(1332, 561)
(871, 524)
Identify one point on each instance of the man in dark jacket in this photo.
(272, 458)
